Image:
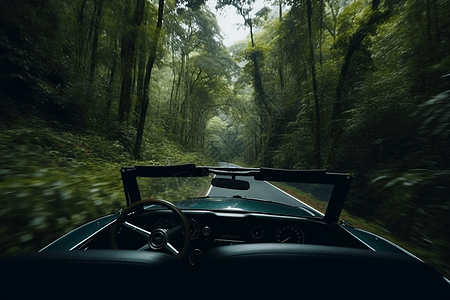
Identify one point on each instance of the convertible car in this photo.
(191, 232)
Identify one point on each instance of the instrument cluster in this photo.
(237, 231)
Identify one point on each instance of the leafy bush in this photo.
(122, 133)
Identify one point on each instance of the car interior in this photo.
(230, 255)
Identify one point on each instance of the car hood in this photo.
(244, 205)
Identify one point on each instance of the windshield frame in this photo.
(341, 181)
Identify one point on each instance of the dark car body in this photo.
(239, 247)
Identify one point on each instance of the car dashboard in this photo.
(211, 229)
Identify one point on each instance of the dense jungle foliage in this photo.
(357, 86)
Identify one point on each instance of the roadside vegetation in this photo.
(53, 181)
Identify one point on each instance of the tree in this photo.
(201, 70)
(128, 54)
(375, 17)
(317, 151)
(264, 105)
(98, 12)
(148, 74)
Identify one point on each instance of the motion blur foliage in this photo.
(416, 209)
(420, 194)
(35, 76)
(53, 181)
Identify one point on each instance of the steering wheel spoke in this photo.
(159, 238)
(144, 248)
(171, 249)
(139, 230)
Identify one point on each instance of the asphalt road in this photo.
(258, 190)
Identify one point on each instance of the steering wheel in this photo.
(159, 238)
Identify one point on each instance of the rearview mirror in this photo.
(228, 183)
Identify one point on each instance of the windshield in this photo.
(239, 192)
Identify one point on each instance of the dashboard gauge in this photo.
(257, 232)
(195, 228)
(290, 234)
(165, 223)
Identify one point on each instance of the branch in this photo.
(329, 29)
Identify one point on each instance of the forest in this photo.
(358, 86)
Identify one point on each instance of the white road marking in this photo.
(209, 191)
(210, 188)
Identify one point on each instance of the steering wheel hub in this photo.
(158, 239)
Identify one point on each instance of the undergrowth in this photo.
(52, 181)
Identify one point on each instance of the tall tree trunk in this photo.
(255, 141)
(129, 41)
(262, 102)
(174, 70)
(93, 32)
(80, 38)
(140, 89)
(184, 108)
(249, 21)
(281, 62)
(124, 59)
(261, 96)
(321, 32)
(177, 127)
(280, 10)
(98, 12)
(90, 33)
(281, 74)
(148, 74)
(317, 150)
(336, 125)
(109, 97)
(125, 97)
